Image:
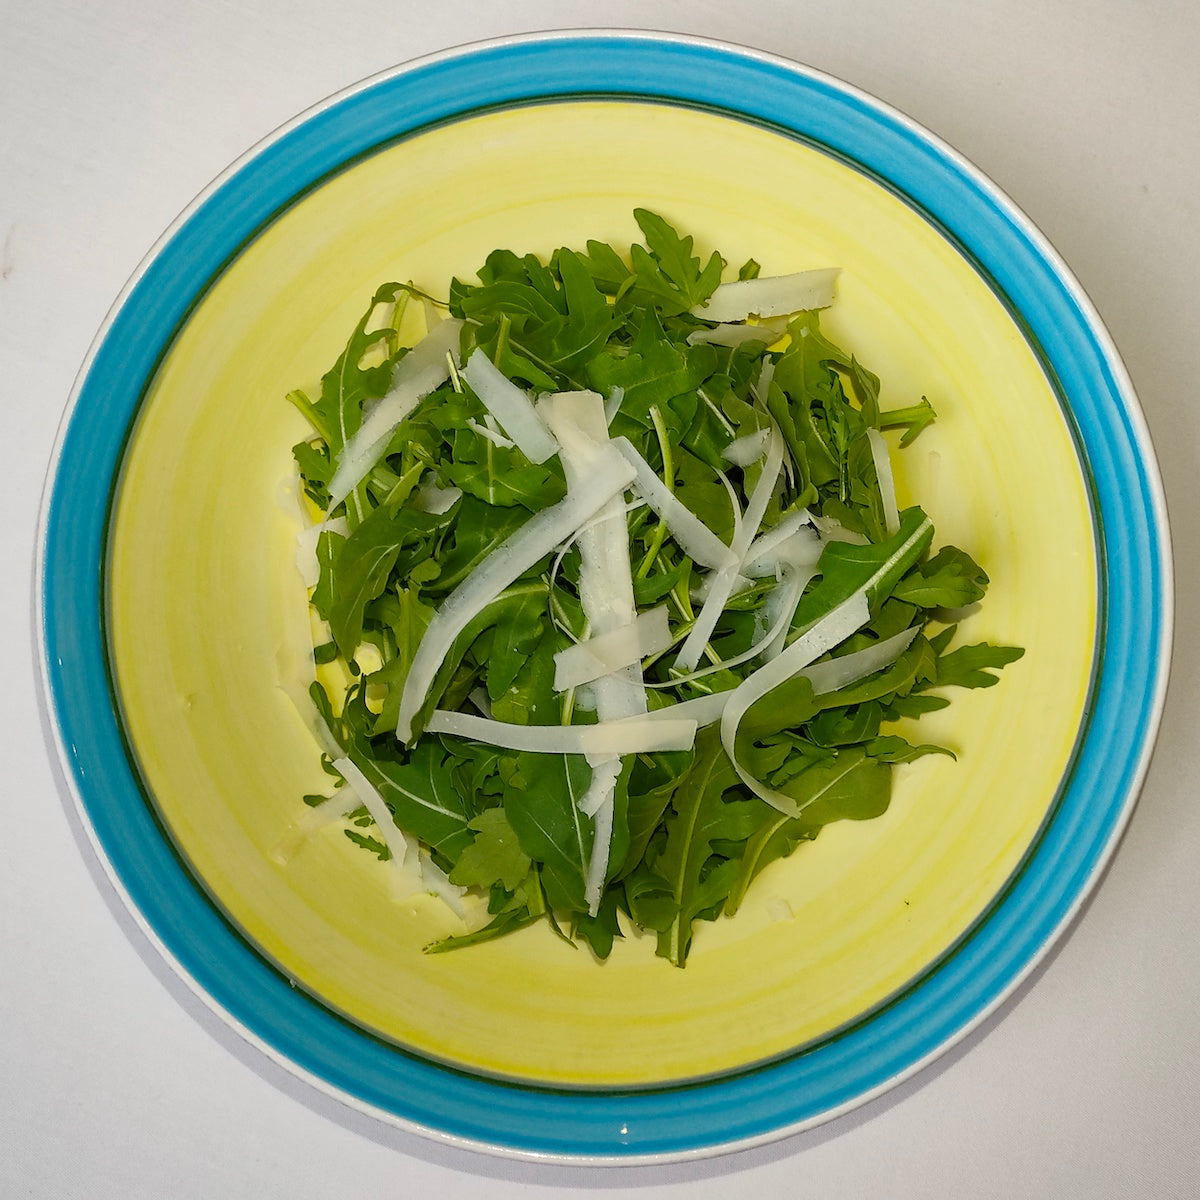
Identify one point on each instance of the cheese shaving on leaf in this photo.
(727, 578)
(837, 673)
(511, 407)
(645, 734)
(609, 652)
(770, 296)
(536, 539)
(695, 538)
(831, 630)
(887, 484)
(423, 369)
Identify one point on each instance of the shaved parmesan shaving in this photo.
(781, 606)
(605, 574)
(771, 296)
(887, 484)
(831, 630)
(704, 710)
(837, 673)
(403, 883)
(779, 533)
(520, 551)
(695, 538)
(493, 435)
(724, 582)
(762, 385)
(343, 802)
(832, 530)
(801, 548)
(748, 449)
(580, 422)
(780, 614)
(413, 872)
(612, 405)
(793, 540)
(719, 592)
(606, 739)
(597, 872)
(438, 883)
(608, 652)
(306, 547)
(734, 506)
(511, 406)
(431, 498)
(600, 789)
(738, 334)
(424, 368)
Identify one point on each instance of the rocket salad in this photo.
(616, 603)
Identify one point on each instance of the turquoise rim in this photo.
(1094, 803)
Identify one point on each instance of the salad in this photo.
(615, 603)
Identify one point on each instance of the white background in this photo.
(113, 1081)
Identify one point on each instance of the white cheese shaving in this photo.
(306, 547)
(787, 545)
(343, 802)
(600, 788)
(831, 630)
(747, 449)
(437, 882)
(738, 334)
(781, 606)
(726, 579)
(597, 872)
(609, 652)
(695, 538)
(511, 406)
(645, 734)
(762, 385)
(837, 673)
(612, 405)
(424, 368)
(887, 483)
(832, 530)
(770, 296)
(431, 498)
(520, 551)
(403, 881)
(493, 435)
(579, 421)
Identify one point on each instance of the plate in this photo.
(174, 627)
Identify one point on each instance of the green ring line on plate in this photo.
(1093, 808)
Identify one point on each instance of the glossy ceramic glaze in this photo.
(854, 960)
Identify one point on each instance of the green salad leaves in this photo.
(618, 607)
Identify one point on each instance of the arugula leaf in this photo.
(669, 276)
(541, 805)
(700, 816)
(972, 666)
(652, 371)
(846, 567)
(495, 856)
(364, 562)
(950, 579)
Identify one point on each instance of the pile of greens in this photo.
(445, 489)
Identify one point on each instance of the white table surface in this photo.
(115, 1083)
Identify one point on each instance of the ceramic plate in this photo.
(175, 626)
